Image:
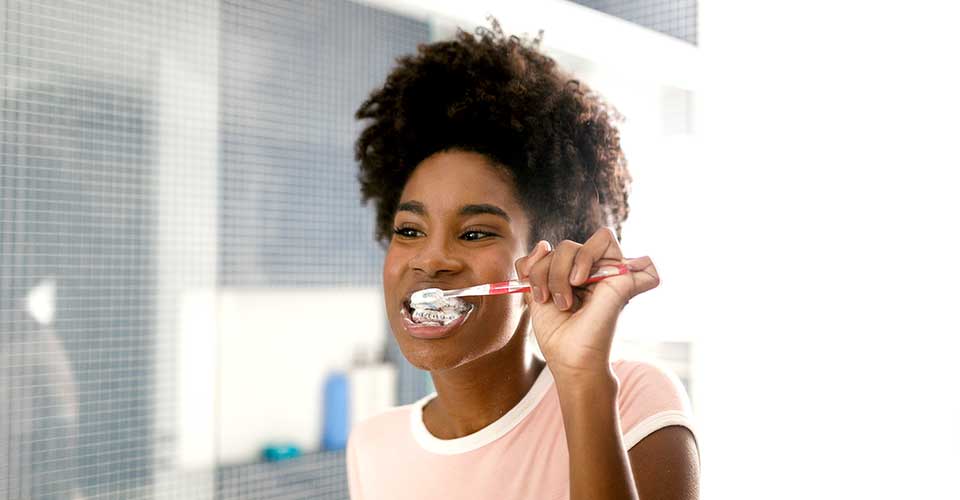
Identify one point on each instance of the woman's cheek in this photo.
(392, 265)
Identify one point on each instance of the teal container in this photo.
(278, 452)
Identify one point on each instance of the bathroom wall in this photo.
(676, 18)
(151, 151)
(99, 103)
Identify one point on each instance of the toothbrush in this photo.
(433, 295)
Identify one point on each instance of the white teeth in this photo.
(423, 316)
(438, 311)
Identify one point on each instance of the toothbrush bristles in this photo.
(426, 296)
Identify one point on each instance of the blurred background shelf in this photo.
(312, 475)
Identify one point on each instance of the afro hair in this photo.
(498, 96)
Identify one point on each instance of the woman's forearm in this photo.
(599, 466)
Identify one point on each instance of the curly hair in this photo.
(500, 97)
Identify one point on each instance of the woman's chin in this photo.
(437, 348)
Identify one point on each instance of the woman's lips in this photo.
(431, 331)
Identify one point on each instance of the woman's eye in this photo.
(476, 235)
(406, 232)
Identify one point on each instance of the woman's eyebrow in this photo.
(412, 206)
(472, 209)
(484, 208)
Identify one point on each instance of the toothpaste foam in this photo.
(430, 307)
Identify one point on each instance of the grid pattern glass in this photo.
(293, 74)
(80, 301)
(677, 18)
(148, 148)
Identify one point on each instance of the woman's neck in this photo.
(472, 396)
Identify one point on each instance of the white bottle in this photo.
(373, 385)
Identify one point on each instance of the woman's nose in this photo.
(436, 257)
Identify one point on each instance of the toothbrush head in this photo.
(431, 307)
(426, 297)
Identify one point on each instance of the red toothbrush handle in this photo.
(514, 286)
(621, 269)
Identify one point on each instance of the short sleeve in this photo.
(353, 471)
(651, 397)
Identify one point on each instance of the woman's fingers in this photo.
(553, 274)
(524, 265)
(602, 244)
(644, 273)
(558, 276)
(537, 277)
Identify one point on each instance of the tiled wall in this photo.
(148, 149)
(677, 18)
(293, 75)
(79, 157)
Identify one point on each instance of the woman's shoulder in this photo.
(382, 429)
(649, 368)
(651, 397)
(369, 438)
(381, 426)
(651, 385)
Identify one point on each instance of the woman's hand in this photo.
(574, 325)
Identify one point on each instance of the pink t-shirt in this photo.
(522, 455)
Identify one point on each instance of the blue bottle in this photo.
(336, 411)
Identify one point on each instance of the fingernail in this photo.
(535, 291)
(546, 245)
(559, 301)
(575, 276)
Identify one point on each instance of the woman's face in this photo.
(458, 223)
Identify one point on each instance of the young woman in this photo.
(486, 163)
